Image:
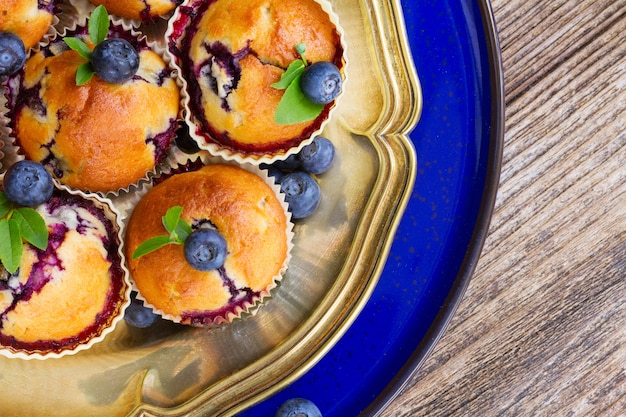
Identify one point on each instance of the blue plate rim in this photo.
(481, 228)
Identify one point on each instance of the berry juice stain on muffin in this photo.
(65, 295)
(231, 54)
(98, 136)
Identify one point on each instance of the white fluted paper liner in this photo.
(175, 36)
(114, 216)
(178, 159)
(80, 21)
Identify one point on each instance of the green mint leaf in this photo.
(79, 46)
(10, 244)
(84, 73)
(32, 227)
(294, 70)
(98, 24)
(151, 245)
(181, 231)
(301, 49)
(171, 218)
(295, 107)
(5, 204)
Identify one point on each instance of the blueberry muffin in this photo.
(231, 52)
(242, 208)
(28, 19)
(64, 298)
(144, 10)
(99, 136)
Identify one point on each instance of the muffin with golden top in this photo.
(95, 133)
(232, 54)
(241, 225)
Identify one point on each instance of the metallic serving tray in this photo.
(172, 370)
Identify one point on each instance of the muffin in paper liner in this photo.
(50, 311)
(33, 21)
(229, 53)
(175, 290)
(136, 11)
(99, 137)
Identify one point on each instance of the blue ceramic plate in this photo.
(459, 143)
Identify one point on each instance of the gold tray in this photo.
(171, 370)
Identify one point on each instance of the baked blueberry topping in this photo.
(205, 249)
(28, 183)
(318, 156)
(298, 407)
(161, 141)
(239, 298)
(302, 193)
(115, 60)
(12, 53)
(321, 82)
(222, 70)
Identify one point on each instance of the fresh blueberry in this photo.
(205, 249)
(318, 156)
(302, 193)
(291, 163)
(27, 183)
(138, 315)
(115, 60)
(273, 172)
(298, 407)
(12, 53)
(321, 82)
(184, 141)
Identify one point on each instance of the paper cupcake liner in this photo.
(114, 216)
(175, 35)
(178, 160)
(77, 22)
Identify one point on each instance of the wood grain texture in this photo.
(542, 327)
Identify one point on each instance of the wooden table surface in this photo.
(541, 329)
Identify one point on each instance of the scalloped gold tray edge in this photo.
(357, 280)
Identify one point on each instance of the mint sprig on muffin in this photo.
(113, 60)
(26, 184)
(308, 89)
(204, 248)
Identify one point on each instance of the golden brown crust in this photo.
(25, 19)
(98, 131)
(270, 29)
(243, 208)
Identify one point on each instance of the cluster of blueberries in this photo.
(294, 175)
